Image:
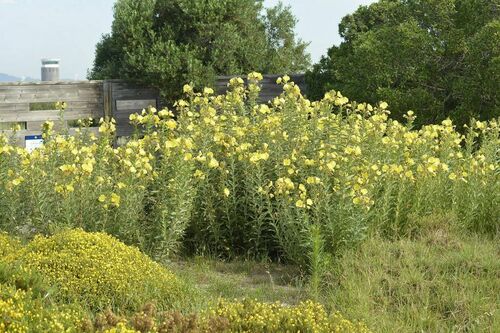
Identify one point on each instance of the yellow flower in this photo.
(87, 167)
(300, 204)
(59, 188)
(67, 168)
(199, 174)
(213, 163)
(187, 89)
(447, 122)
(115, 199)
(208, 91)
(226, 192)
(331, 165)
(102, 198)
(480, 124)
(165, 113)
(171, 124)
(182, 103)
(171, 143)
(313, 180)
(17, 181)
(255, 76)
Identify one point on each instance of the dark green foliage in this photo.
(167, 43)
(440, 58)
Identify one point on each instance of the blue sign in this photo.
(33, 142)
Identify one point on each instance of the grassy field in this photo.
(442, 280)
(269, 282)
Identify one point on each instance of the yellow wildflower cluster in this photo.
(8, 245)
(253, 316)
(96, 270)
(234, 316)
(120, 328)
(21, 313)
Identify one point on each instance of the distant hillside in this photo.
(10, 78)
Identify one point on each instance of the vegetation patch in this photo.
(234, 316)
(222, 175)
(237, 279)
(97, 271)
(8, 245)
(20, 311)
(442, 281)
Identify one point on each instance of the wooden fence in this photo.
(269, 88)
(30, 104)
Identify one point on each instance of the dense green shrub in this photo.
(440, 58)
(166, 44)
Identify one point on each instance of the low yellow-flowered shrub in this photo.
(236, 316)
(20, 313)
(120, 328)
(8, 245)
(252, 316)
(98, 271)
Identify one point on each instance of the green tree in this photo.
(437, 57)
(166, 43)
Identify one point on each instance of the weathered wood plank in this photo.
(14, 107)
(134, 104)
(46, 98)
(48, 115)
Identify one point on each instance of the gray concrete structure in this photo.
(50, 69)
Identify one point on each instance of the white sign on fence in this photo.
(33, 142)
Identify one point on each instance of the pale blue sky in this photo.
(69, 29)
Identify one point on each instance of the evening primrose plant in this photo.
(270, 172)
(228, 176)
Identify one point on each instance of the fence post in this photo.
(107, 98)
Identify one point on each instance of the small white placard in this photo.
(33, 142)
